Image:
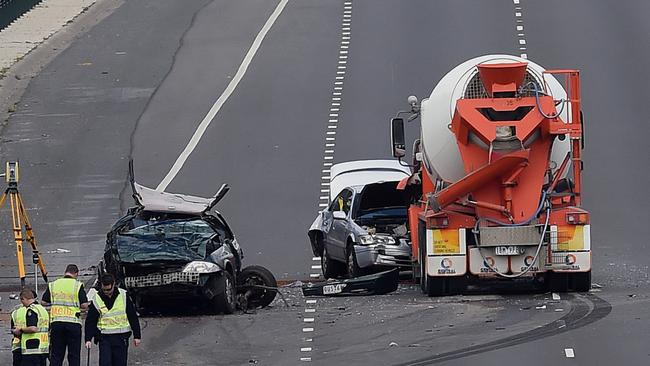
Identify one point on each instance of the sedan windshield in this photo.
(151, 240)
(382, 213)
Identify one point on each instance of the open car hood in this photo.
(160, 201)
(362, 172)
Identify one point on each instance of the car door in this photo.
(340, 226)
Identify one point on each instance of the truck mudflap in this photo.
(374, 284)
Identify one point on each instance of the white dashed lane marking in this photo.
(328, 157)
(519, 26)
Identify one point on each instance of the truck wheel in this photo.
(558, 282)
(330, 267)
(435, 286)
(580, 282)
(225, 299)
(252, 276)
(353, 266)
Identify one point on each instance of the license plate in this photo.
(333, 289)
(508, 250)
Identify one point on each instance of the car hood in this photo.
(363, 172)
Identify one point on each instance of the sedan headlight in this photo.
(201, 267)
(376, 239)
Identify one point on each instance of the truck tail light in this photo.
(577, 218)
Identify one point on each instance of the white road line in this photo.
(305, 359)
(315, 258)
(203, 126)
(307, 330)
(305, 349)
(310, 310)
(308, 320)
(316, 275)
(310, 301)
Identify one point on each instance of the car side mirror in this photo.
(397, 137)
(339, 215)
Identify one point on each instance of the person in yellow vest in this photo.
(67, 298)
(30, 323)
(15, 341)
(111, 320)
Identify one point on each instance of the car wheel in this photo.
(225, 299)
(250, 280)
(327, 265)
(353, 266)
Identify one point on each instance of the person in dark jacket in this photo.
(111, 320)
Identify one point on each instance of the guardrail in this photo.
(10, 10)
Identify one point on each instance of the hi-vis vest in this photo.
(15, 341)
(112, 321)
(20, 321)
(64, 296)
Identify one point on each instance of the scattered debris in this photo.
(120, 53)
(296, 284)
(595, 285)
(559, 310)
(541, 307)
(393, 344)
(631, 295)
(58, 250)
(556, 296)
(13, 297)
(414, 345)
(568, 352)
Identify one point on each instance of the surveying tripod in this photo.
(20, 220)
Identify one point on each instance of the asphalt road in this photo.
(138, 83)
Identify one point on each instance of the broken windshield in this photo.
(169, 240)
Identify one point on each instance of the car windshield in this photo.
(152, 240)
(382, 213)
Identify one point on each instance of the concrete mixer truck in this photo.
(497, 175)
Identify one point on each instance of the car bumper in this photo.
(381, 255)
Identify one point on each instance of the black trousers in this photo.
(65, 335)
(33, 360)
(17, 357)
(113, 349)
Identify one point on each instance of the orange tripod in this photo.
(20, 223)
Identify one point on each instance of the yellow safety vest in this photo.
(15, 341)
(20, 321)
(112, 321)
(64, 296)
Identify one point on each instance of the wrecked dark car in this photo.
(364, 229)
(173, 246)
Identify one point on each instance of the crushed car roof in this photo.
(158, 201)
(362, 172)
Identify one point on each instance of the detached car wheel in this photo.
(225, 299)
(258, 286)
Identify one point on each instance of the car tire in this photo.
(225, 300)
(330, 267)
(257, 276)
(352, 265)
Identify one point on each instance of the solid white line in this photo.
(203, 126)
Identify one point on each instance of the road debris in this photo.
(541, 307)
(556, 296)
(568, 352)
(13, 297)
(393, 344)
(58, 250)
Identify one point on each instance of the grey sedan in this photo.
(364, 229)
